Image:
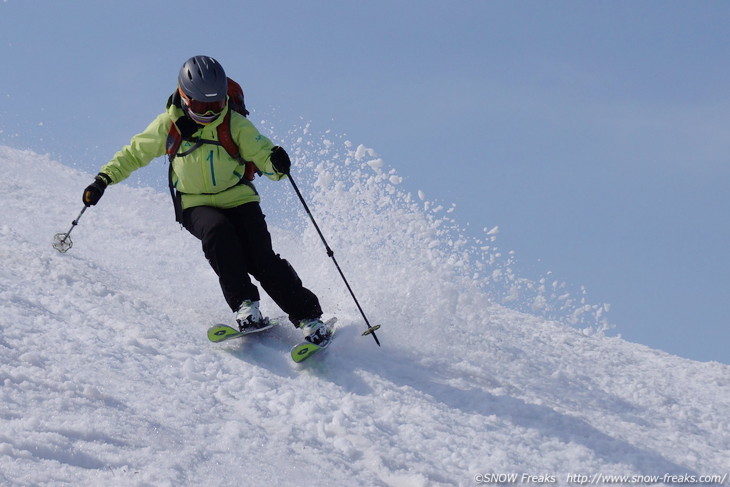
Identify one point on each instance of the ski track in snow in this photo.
(106, 377)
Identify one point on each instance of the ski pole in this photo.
(371, 329)
(62, 241)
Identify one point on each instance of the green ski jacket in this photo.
(208, 176)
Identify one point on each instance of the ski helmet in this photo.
(202, 84)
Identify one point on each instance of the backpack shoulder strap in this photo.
(226, 140)
(180, 129)
(174, 139)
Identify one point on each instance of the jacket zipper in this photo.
(212, 168)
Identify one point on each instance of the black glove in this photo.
(280, 160)
(94, 191)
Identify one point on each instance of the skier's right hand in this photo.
(94, 191)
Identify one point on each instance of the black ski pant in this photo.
(237, 244)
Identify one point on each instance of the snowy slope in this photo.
(106, 377)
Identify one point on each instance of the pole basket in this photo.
(371, 331)
(62, 242)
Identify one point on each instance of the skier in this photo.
(219, 205)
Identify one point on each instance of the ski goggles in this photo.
(203, 112)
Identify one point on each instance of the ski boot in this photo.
(316, 332)
(249, 318)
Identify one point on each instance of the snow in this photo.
(106, 377)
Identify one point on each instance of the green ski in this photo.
(305, 349)
(221, 333)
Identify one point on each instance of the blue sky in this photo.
(595, 134)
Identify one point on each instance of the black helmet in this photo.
(202, 84)
(201, 78)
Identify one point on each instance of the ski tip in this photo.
(220, 333)
(301, 352)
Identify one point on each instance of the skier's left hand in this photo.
(280, 160)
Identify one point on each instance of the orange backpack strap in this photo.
(174, 139)
(226, 140)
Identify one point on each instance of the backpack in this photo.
(184, 128)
